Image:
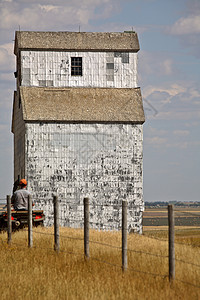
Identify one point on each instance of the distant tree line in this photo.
(176, 203)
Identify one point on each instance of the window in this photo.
(76, 66)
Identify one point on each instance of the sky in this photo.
(168, 74)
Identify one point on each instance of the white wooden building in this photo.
(78, 125)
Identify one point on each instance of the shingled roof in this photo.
(80, 41)
(82, 104)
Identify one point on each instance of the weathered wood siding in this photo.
(101, 161)
(100, 69)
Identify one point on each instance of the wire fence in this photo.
(119, 248)
(52, 252)
(166, 240)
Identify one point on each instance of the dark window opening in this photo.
(110, 66)
(76, 66)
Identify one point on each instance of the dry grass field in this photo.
(40, 273)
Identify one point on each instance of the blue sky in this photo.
(169, 72)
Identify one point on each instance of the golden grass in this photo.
(40, 273)
(183, 234)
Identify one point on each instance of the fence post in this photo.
(56, 224)
(86, 227)
(171, 242)
(124, 235)
(9, 221)
(30, 222)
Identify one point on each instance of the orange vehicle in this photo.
(20, 218)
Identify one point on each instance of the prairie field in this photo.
(41, 273)
(184, 216)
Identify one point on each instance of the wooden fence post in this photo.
(171, 242)
(30, 222)
(86, 227)
(124, 235)
(9, 220)
(56, 224)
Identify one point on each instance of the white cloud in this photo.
(172, 90)
(181, 133)
(185, 26)
(155, 63)
(7, 59)
(174, 102)
(156, 141)
(178, 115)
(156, 132)
(183, 144)
(192, 124)
(46, 15)
(180, 145)
(48, 7)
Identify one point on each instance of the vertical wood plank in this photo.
(124, 235)
(86, 228)
(171, 242)
(56, 224)
(9, 220)
(30, 222)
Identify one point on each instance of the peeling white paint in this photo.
(101, 161)
(54, 68)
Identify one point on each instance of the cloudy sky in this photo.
(169, 72)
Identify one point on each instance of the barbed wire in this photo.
(111, 228)
(109, 263)
(70, 221)
(185, 282)
(52, 234)
(148, 253)
(129, 269)
(154, 238)
(39, 232)
(71, 203)
(82, 204)
(73, 238)
(107, 204)
(131, 250)
(48, 248)
(106, 262)
(186, 244)
(148, 273)
(166, 240)
(104, 244)
(188, 263)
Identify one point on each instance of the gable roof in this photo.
(82, 104)
(80, 41)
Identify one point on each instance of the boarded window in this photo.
(26, 76)
(45, 83)
(76, 66)
(110, 66)
(124, 56)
